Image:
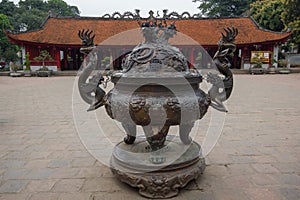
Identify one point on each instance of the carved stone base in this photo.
(159, 174)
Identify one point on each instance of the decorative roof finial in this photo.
(151, 13)
(137, 11)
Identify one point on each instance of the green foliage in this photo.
(32, 4)
(268, 14)
(27, 61)
(44, 68)
(4, 21)
(278, 15)
(30, 14)
(257, 65)
(27, 20)
(105, 60)
(62, 8)
(292, 10)
(7, 50)
(291, 18)
(7, 8)
(224, 8)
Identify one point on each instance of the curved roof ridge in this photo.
(63, 30)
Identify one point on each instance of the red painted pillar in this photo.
(57, 56)
(192, 57)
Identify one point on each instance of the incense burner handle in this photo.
(222, 87)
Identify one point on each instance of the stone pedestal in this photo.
(157, 174)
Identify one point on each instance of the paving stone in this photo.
(129, 194)
(37, 164)
(15, 174)
(265, 168)
(241, 181)
(288, 179)
(64, 173)
(94, 172)
(15, 196)
(11, 164)
(240, 169)
(231, 194)
(264, 180)
(246, 159)
(259, 194)
(45, 195)
(42, 173)
(13, 186)
(100, 185)
(58, 163)
(40, 185)
(83, 162)
(287, 167)
(76, 196)
(290, 193)
(195, 195)
(68, 185)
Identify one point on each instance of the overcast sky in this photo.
(97, 8)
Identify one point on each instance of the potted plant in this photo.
(283, 66)
(27, 70)
(105, 62)
(257, 68)
(43, 71)
(14, 70)
(272, 69)
(198, 60)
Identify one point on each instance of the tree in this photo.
(30, 14)
(27, 16)
(291, 18)
(7, 50)
(28, 20)
(224, 8)
(267, 13)
(7, 8)
(32, 4)
(62, 8)
(278, 15)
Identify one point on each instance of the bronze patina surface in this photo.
(157, 88)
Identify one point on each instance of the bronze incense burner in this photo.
(157, 88)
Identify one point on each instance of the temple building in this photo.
(59, 36)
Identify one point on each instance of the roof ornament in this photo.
(136, 15)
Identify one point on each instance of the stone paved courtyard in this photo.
(257, 157)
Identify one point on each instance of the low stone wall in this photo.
(293, 59)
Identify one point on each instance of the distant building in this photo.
(59, 36)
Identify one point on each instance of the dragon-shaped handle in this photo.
(222, 87)
(89, 88)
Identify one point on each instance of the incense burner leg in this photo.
(184, 133)
(156, 141)
(130, 130)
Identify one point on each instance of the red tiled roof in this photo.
(63, 31)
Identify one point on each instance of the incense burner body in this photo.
(157, 86)
(156, 91)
